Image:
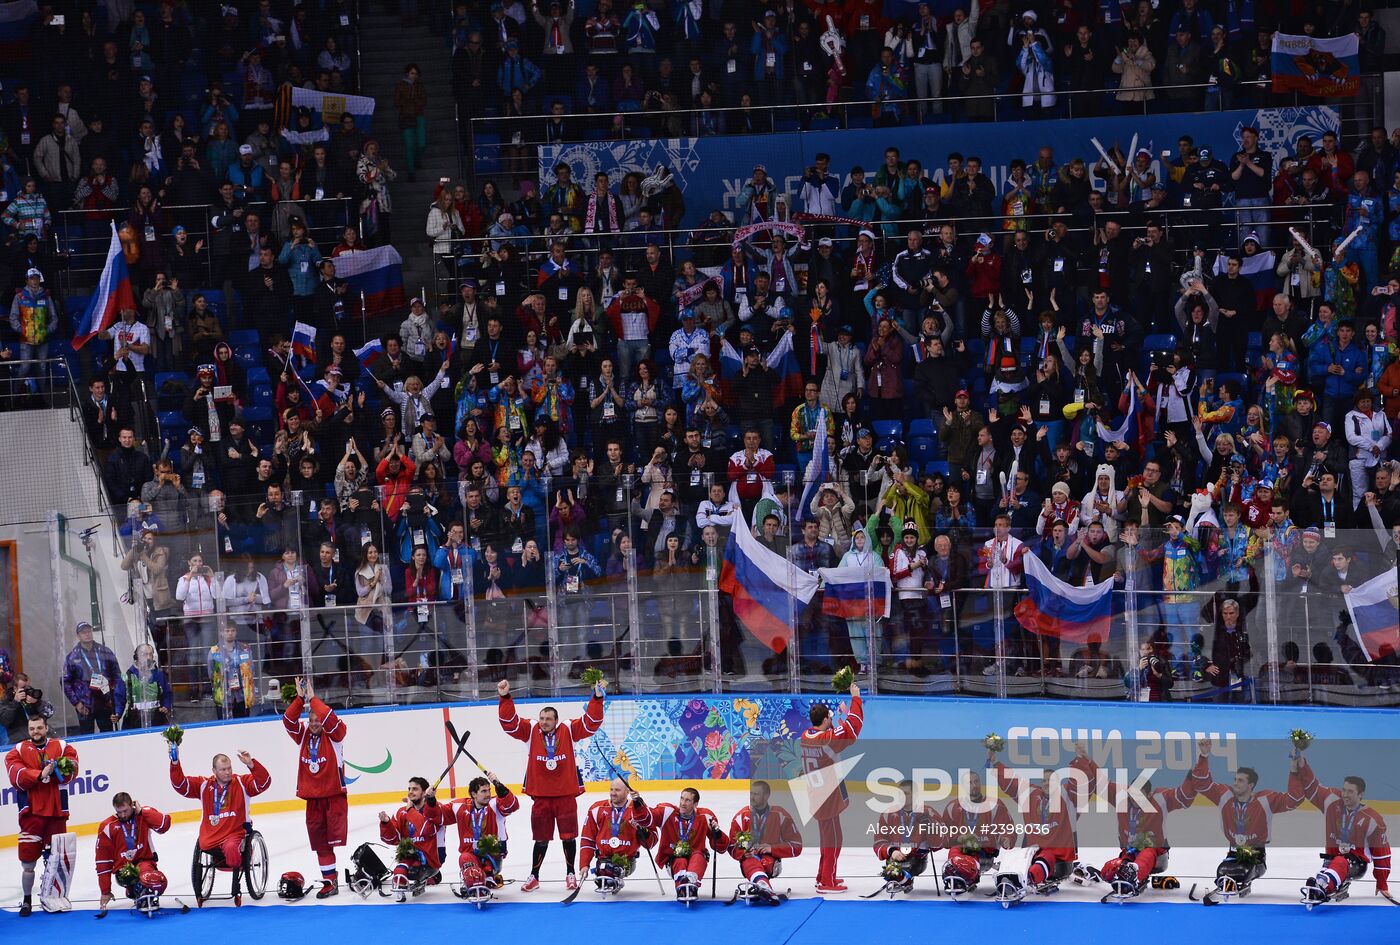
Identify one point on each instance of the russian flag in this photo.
(113, 294)
(16, 25)
(1258, 270)
(787, 385)
(304, 341)
(731, 362)
(376, 274)
(844, 592)
(1375, 615)
(325, 107)
(764, 588)
(818, 469)
(369, 352)
(1054, 608)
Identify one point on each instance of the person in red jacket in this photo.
(761, 836)
(418, 822)
(973, 837)
(225, 813)
(822, 745)
(1054, 817)
(125, 838)
(482, 815)
(905, 839)
(1353, 830)
(750, 469)
(40, 795)
(552, 779)
(683, 832)
(864, 26)
(616, 827)
(320, 778)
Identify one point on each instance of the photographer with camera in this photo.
(92, 681)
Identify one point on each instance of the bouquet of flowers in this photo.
(841, 682)
(1301, 739)
(174, 734)
(621, 863)
(489, 845)
(128, 875)
(969, 844)
(406, 851)
(993, 742)
(1247, 855)
(66, 767)
(682, 848)
(592, 677)
(744, 840)
(892, 872)
(288, 692)
(1142, 840)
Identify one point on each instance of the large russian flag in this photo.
(376, 274)
(16, 24)
(1054, 608)
(1324, 68)
(1375, 615)
(819, 470)
(325, 107)
(113, 294)
(787, 380)
(764, 588)
(1258, 270)
(854, 593)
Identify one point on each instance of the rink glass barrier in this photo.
(533, 609)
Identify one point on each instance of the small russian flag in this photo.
(304, 341)
(370, 352)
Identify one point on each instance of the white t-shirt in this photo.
(124, 335)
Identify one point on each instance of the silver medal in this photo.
(314, 767)
(614, 842)
(550, 764)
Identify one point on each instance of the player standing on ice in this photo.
(481, 832)
(38, 768)
(1246, 817)
(552, 779)
(822, 745)
(761, 836)
(1353, 831)
(224, 805)
(320, 778)
(413, 829)
(684, 831)
(124, 844)
(614, 832)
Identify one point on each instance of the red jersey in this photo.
(552, 768)
(224, 807)
(474, 822)
(1360, 832)
(1244, 823)
(1134, 822)
(419, 825)
(120, 843)
(671, 828)
(1054, 828)
(320, 758)
(992, 828)
(608, 830)
(773, 826)
(821, 750)
(905, 828)
(34, 794)
(749, 475)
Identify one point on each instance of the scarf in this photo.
(592, 216)
(794, 230)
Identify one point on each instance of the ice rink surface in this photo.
(1274, 915)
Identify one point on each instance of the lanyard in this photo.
(129, 830)
(1241, 815)
(617, 814)
(219, 796)
(88, 663)
(1327, 510)
(478, 818)
(1344, 828)
(687, 823)
(549, 743)
(758, 823)
(313, 748)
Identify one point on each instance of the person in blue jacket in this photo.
(1335, 370)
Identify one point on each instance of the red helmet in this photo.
(963, 866)
(291, 887)
(473, 876)
(153, 880)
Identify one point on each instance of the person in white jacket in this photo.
(444, 226)
(1101, 503)
(1369, 433)
(859, 629)
(198, 591)
(958, 49)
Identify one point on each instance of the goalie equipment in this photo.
(57, 880)
(292, 887)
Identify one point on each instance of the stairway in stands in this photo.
(388, 47)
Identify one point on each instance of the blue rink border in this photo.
(798, 922)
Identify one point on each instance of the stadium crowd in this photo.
(1140, 368)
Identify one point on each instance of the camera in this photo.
(29, 692)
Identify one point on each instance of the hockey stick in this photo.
(571, 896)
(461, 747)
(462, 744)
(1388, 896)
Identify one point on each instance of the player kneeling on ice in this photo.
(614, 832)
(481, 827)
(902, 840)
(761, 836)
(125, 850)
(979, 836)
(1246, 816)
(39, 768)
(1354, 830)
(683, 832)
(413, 829)
(1050, 817)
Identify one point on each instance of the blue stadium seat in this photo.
(258, 413)
(172, 422)
(922, 427)
(1159, 343)
(887, 433)
(936, 467)
(248, 357)
(1239, 378)
(922, 450)
(244, 338)
(258, 375)
(260, 395)
(166, 401)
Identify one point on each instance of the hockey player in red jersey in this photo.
(822, 745)
(552, 779)
(124, 839)
(224, 806)
(1246, 818)
(974, 838)
(685, 832)
(39, 768)
(320, 778)
(1054, 819)
(761, 836)
(1142, 833)
(1356, 835)
(481, 832)
(614, 832)
(904, 840)
(418, 822)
